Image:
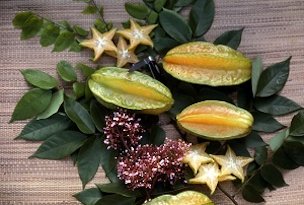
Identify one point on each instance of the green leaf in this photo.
(79, 115)
(49, 34)
(181, 101)
(89, 9)
(108, 163)
(239, 147)
(297, 125)
(182, 3)
(257, 182)
(159, 4)
(201, 16)
(265, 123)
(66, 71)
(273, 79)
(276, 105)
(38, 130)
(63, 41)
(257, 68)
(100, 26)
(75, 47)
(89, 196)
(254, 140)
(56, 102)
(80, 31)
(39, 79)
(213, 94)
(21, 18)
(250, 194)
(116, 188)
(272, 175)
(87, 71)
(60, 145)
(230, 38)
(295, 150)
(66, 25)
(260, 155)
(31, 27)
(180, 30)
(98, 114)
(78, 89)
(281, 159)
(137, 10)
(88, 159)
(152, 17)
(32, 103)
(163, 44)
(116, 199)
(157, 135)
(277, 140)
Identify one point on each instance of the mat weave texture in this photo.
(274, 30)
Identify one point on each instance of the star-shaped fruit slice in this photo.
(232, 164)
(100, 42)
(137, 34)
(124, 55)
(208, 174)
(196, 156)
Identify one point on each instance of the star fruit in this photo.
(137, 34)
(100, 42)
(232, 164)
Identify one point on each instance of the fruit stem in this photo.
(227, 194)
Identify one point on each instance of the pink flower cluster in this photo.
(122, 129)
(143, 166)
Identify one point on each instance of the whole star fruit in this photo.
(208, 64)
(184, 198)
(117, 87)
(215, 120)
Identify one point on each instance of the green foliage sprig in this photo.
(69, 121)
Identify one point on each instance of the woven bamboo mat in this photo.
(274, 30)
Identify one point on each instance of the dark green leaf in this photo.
(100, 26)
(80, 31)
(42, 129)
(238, 146)
(281, 159)
(258, 183)
(53, 107)
(88, 159)
(182, 3)
(31, 27)
(63, 41)
(32, 103)
(230, 38)
(39, 79)
(181, 101)
(89, 9)
(244, 98)
(157, 135)
(250, 194)
(213, 94)
(180, 30)
(257, 68)
(21, 18)
(66, 71)
(295, 150)
(265, 123)
(87, 92)
(87, 71)
(60, 145)
(163, 44)
(117, 200)
(117, 188)
(260, 155)
(137, 10)
(79, 115)
(277, 140)
(75, 47)
(152, 18)
(276, 105)
(159, 4)
(295, 139)
(66, 25)
(272, 175)
(49, 34)
(273, 79)
(201, 16)
(98, 114)
(89, 196)
(78, 89)
(254, 140)
(297, 125)
(109, 162)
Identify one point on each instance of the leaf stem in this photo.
(49, 20)
(93, 3)
(227, 194)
